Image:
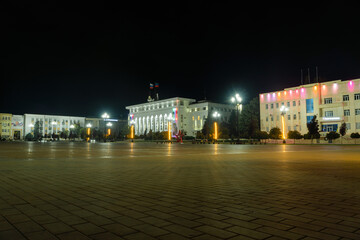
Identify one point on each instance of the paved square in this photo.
(159, 191)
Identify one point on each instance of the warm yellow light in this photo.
(88, 131)
(215, 131)
(198, 117)
(285, 93)
(283, 125)
(169, 131)
(279, 94)
(315, 88)
(132, 132)
(109, 132)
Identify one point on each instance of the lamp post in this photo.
(71, 128)
(216, 115)
(237, 101)
(132, 123)
(169, 130)
(89, 130)
(109, 130)
(283, 111)
(105, 116)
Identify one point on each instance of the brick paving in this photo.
(158, 191)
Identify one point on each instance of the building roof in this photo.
(160, 101)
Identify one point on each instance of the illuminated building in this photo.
(184, 114)
(333, 103)
(5, 125)
(50, 124)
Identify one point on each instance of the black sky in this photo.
(86, 59)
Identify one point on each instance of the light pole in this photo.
(132, 122)
(109, 130)
(169, 130)
(71, 128)
(216, 115)
(88, 130)
(237, 101)
(283, 111)
(105, 116)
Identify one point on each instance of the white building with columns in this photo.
(183, 114)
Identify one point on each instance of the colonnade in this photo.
(155, 123)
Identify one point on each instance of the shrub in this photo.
(275, 133)
(355, 135)
(294, 135)
(332, 135)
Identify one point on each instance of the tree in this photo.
(313, 129)
(343, 129)
(37, 134)
(232, 125)
(206, 131)
(29, 137)
(249, 119)
(355, 136)
(294, 135)
(332, 135)
(262, 135)
(224, 130)
(275, 133)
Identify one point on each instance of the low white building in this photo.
(183, 114)
(50, 124)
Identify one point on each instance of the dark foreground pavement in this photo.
(149, 191)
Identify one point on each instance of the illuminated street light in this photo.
(132, 129)
(216, 115)
(109, 129)
(237, 101)
(169, 131)
(105, 116)
(31, 125)
(89, 129)
(283, 111)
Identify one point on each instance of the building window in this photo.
(329, 127)
(309, 118)
(327, 100)
(289, 128)
(277, 105)
(358, 125)
(267, 129)
(309, 105)
(288, 104)
(272, 118)
(294, 116)
(329, 113)
(282, 104)
(295, 128)
(348, 126)
(357, 111)
(267, 119)
(294, 103)
(347, 112)
(345, 98)
(272, 106)
(289, 117)
(357, 96)
(299, 103)
(299, 115)
(277, 117)
(266, 106)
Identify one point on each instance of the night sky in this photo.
(87, 59)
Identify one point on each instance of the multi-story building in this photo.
(333, 103)
(49, 124)
(17, 127)
(5, 125)
(183, 114)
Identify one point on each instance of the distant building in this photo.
(49, 124)
(5, 126)
(333, 102)
(17, 127)
(183, 114)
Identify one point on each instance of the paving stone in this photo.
(248, 232)
(17, 218)
(217, 232)
(106, 236)
(184, 231)
(42, 235)
(88, 228)
(57, 228)
(150, 230)
(27, 227)
(119, 229)
(11, 235)
(72, 236)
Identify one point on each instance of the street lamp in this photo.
(109, 130)
(88, 130)
(283, 111)
(169, 130)
(237, 101)
(132, 122)
(105, 116)
(216, 115)
(71, 128)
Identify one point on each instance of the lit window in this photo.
(347, 112)
(327, 100)
(345, 98)
(329, 113)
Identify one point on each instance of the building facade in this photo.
(17, 127)
(50, 124)
(182, 114)
(5, 125)
(333, 103)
